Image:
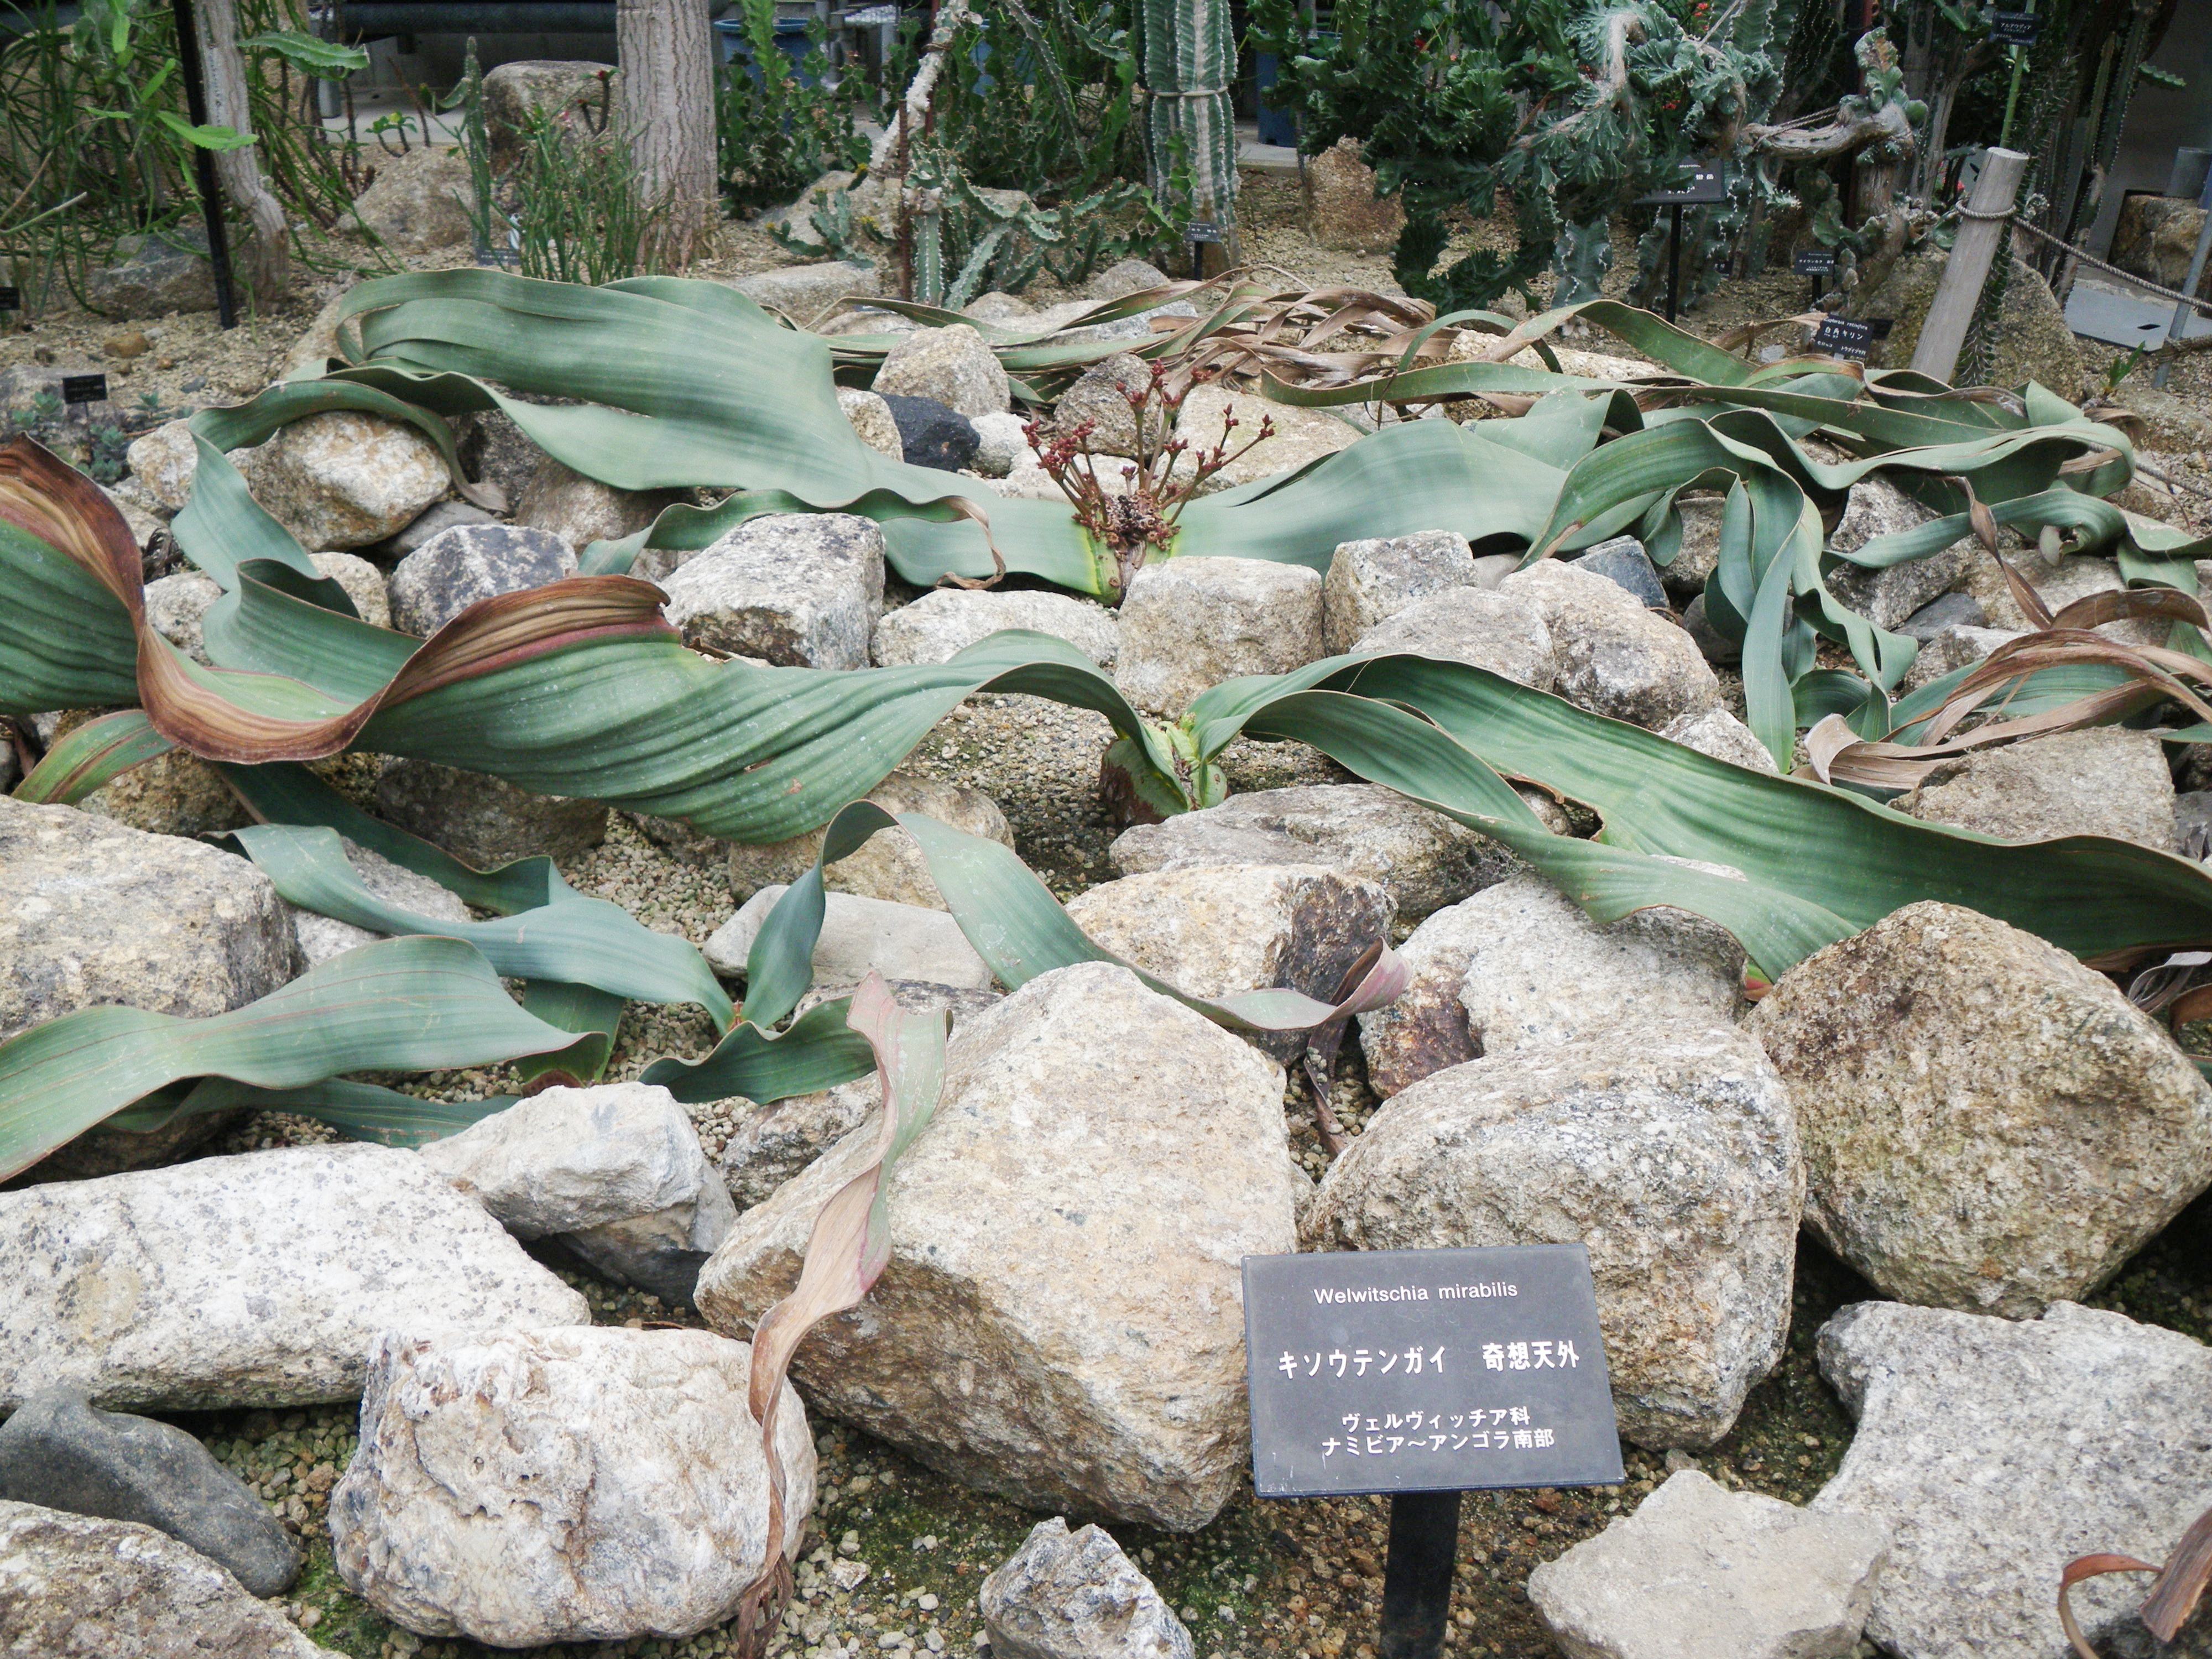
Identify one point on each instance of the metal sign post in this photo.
(1702, 184)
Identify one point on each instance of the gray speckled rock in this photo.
(456, 568)
(94, 912)
(1672, 1156)
(482, 820)
(1076, 1595)
(252, 1280)
(1944, 612)
(59, 1452)
(1060, 1319)
(891, 867)
(363, 582)
(953, 366)
(581, 510)
(1370, 580)
(175, 794)
(796, 589)
(344, 479)
(1941, 1053)
(322, 937)
(1218, 930)
(870, 417)
(1465, 624)
(176, 607)
(1300, 435)
(1612, 656)
(1998, 1451)
(1954, 648)
(75, 1587)
(1002, 443)
(1886, 598)
(1190, 623)
(1684, 577)
(1702, 1573)
(1622, 560)
(165, 461)
(2101, 781)
(1100, 399)
(420, 200)
(776, 1141)
(526, 1487)
(900, 941)
(615, 1171)
(1542, 971)
(1716, 732)
(437, 517)
(946, 621)
(804, 292)
(1422, 859)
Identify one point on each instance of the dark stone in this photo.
(168, 270)
(59, 1452)
(1718, 649)
(1950, 610)
(457, 567)
(2192, 823)
(438, 516)
(931, 434)
(1623, 560)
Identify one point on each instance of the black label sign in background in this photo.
(11, 299)
(84, 388)
(1700, 182)
(1426, 1371)
(1202, 230)
(2015, 28)
(1840, 337)
(1814, 262)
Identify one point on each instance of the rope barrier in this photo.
(2128, 276)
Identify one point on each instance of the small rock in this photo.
(946, 621)
(615, 1171)
(1947, 611)
(1622, 559)
(1101, 399)
(592, 1484)
(1996, 1452)
(323, 937)
(419, 201)
(344, 479)
(165, 461)
(796, 589)
(1422, 859)
(1673, 1155)
(549, 87)
(1887, 599)
(484, 821)
(1942, 1052)
(891, 867)
(456, 568)
(1370, 581)
(931, 435)
(2103, 780)
(75, 1587)
(1118, 281)
(1216, 931)
(1716, 732)
(1187, 624)
(2192, 824)
(58, 1452)
(900, 941)
(252, 1280)
(1702, 1573)
(775, 1142)
(1300, 435)
(1076, 1595)
(1495, 631)
(154, 274)
(145, 517)
(364, 584)
(581, 510)
(804, 293)
(870, 417)
(125, 346)
(498, 452)
(1100, 1160)
(1953, 648)
(953, 366)
(437, 517)
(176, 607)
(177, 793)
(1684, 576)
(1614, 657)
(1344, 210)
(1715, 647)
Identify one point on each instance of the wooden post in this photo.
(1981, 235)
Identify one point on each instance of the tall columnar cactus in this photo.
(1186, 57)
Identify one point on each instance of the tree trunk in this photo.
(667, 102)
(269, 261)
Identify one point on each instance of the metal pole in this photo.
(2178, 329)
(1673, 261)
(188, 63)
(1987, 221)
(1416, 1578)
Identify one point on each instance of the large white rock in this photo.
(1059, 1321)
(323, 937)
(899, 941)
(1612, 655)
(519, 1486)
(165, 461)
(1989, 1125)
(1187, 624)
(953, 366)
(1702, 1573)
(1671, 1155)
(1076, 1595)
(345, 479)
(2100, 782)
(1300, 435)
(1716, 732)
(1372, 579)
(456, 568)
(615, 1171)
(78, 1586)
(946, 621)
(891, 866)
(252, 1280)
(176, 608)
(1496, 631)
(1996, 1452)
(797, 589)
(1422, 859)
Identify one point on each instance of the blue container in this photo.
(1277, 127)
(790, 40)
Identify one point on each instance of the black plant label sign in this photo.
(1840, 337)
(2015, 28)
(1701, 182)
(84, 388)
(11, 299)
(1814, 262)
(1202, 230)
(1426, 1371)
